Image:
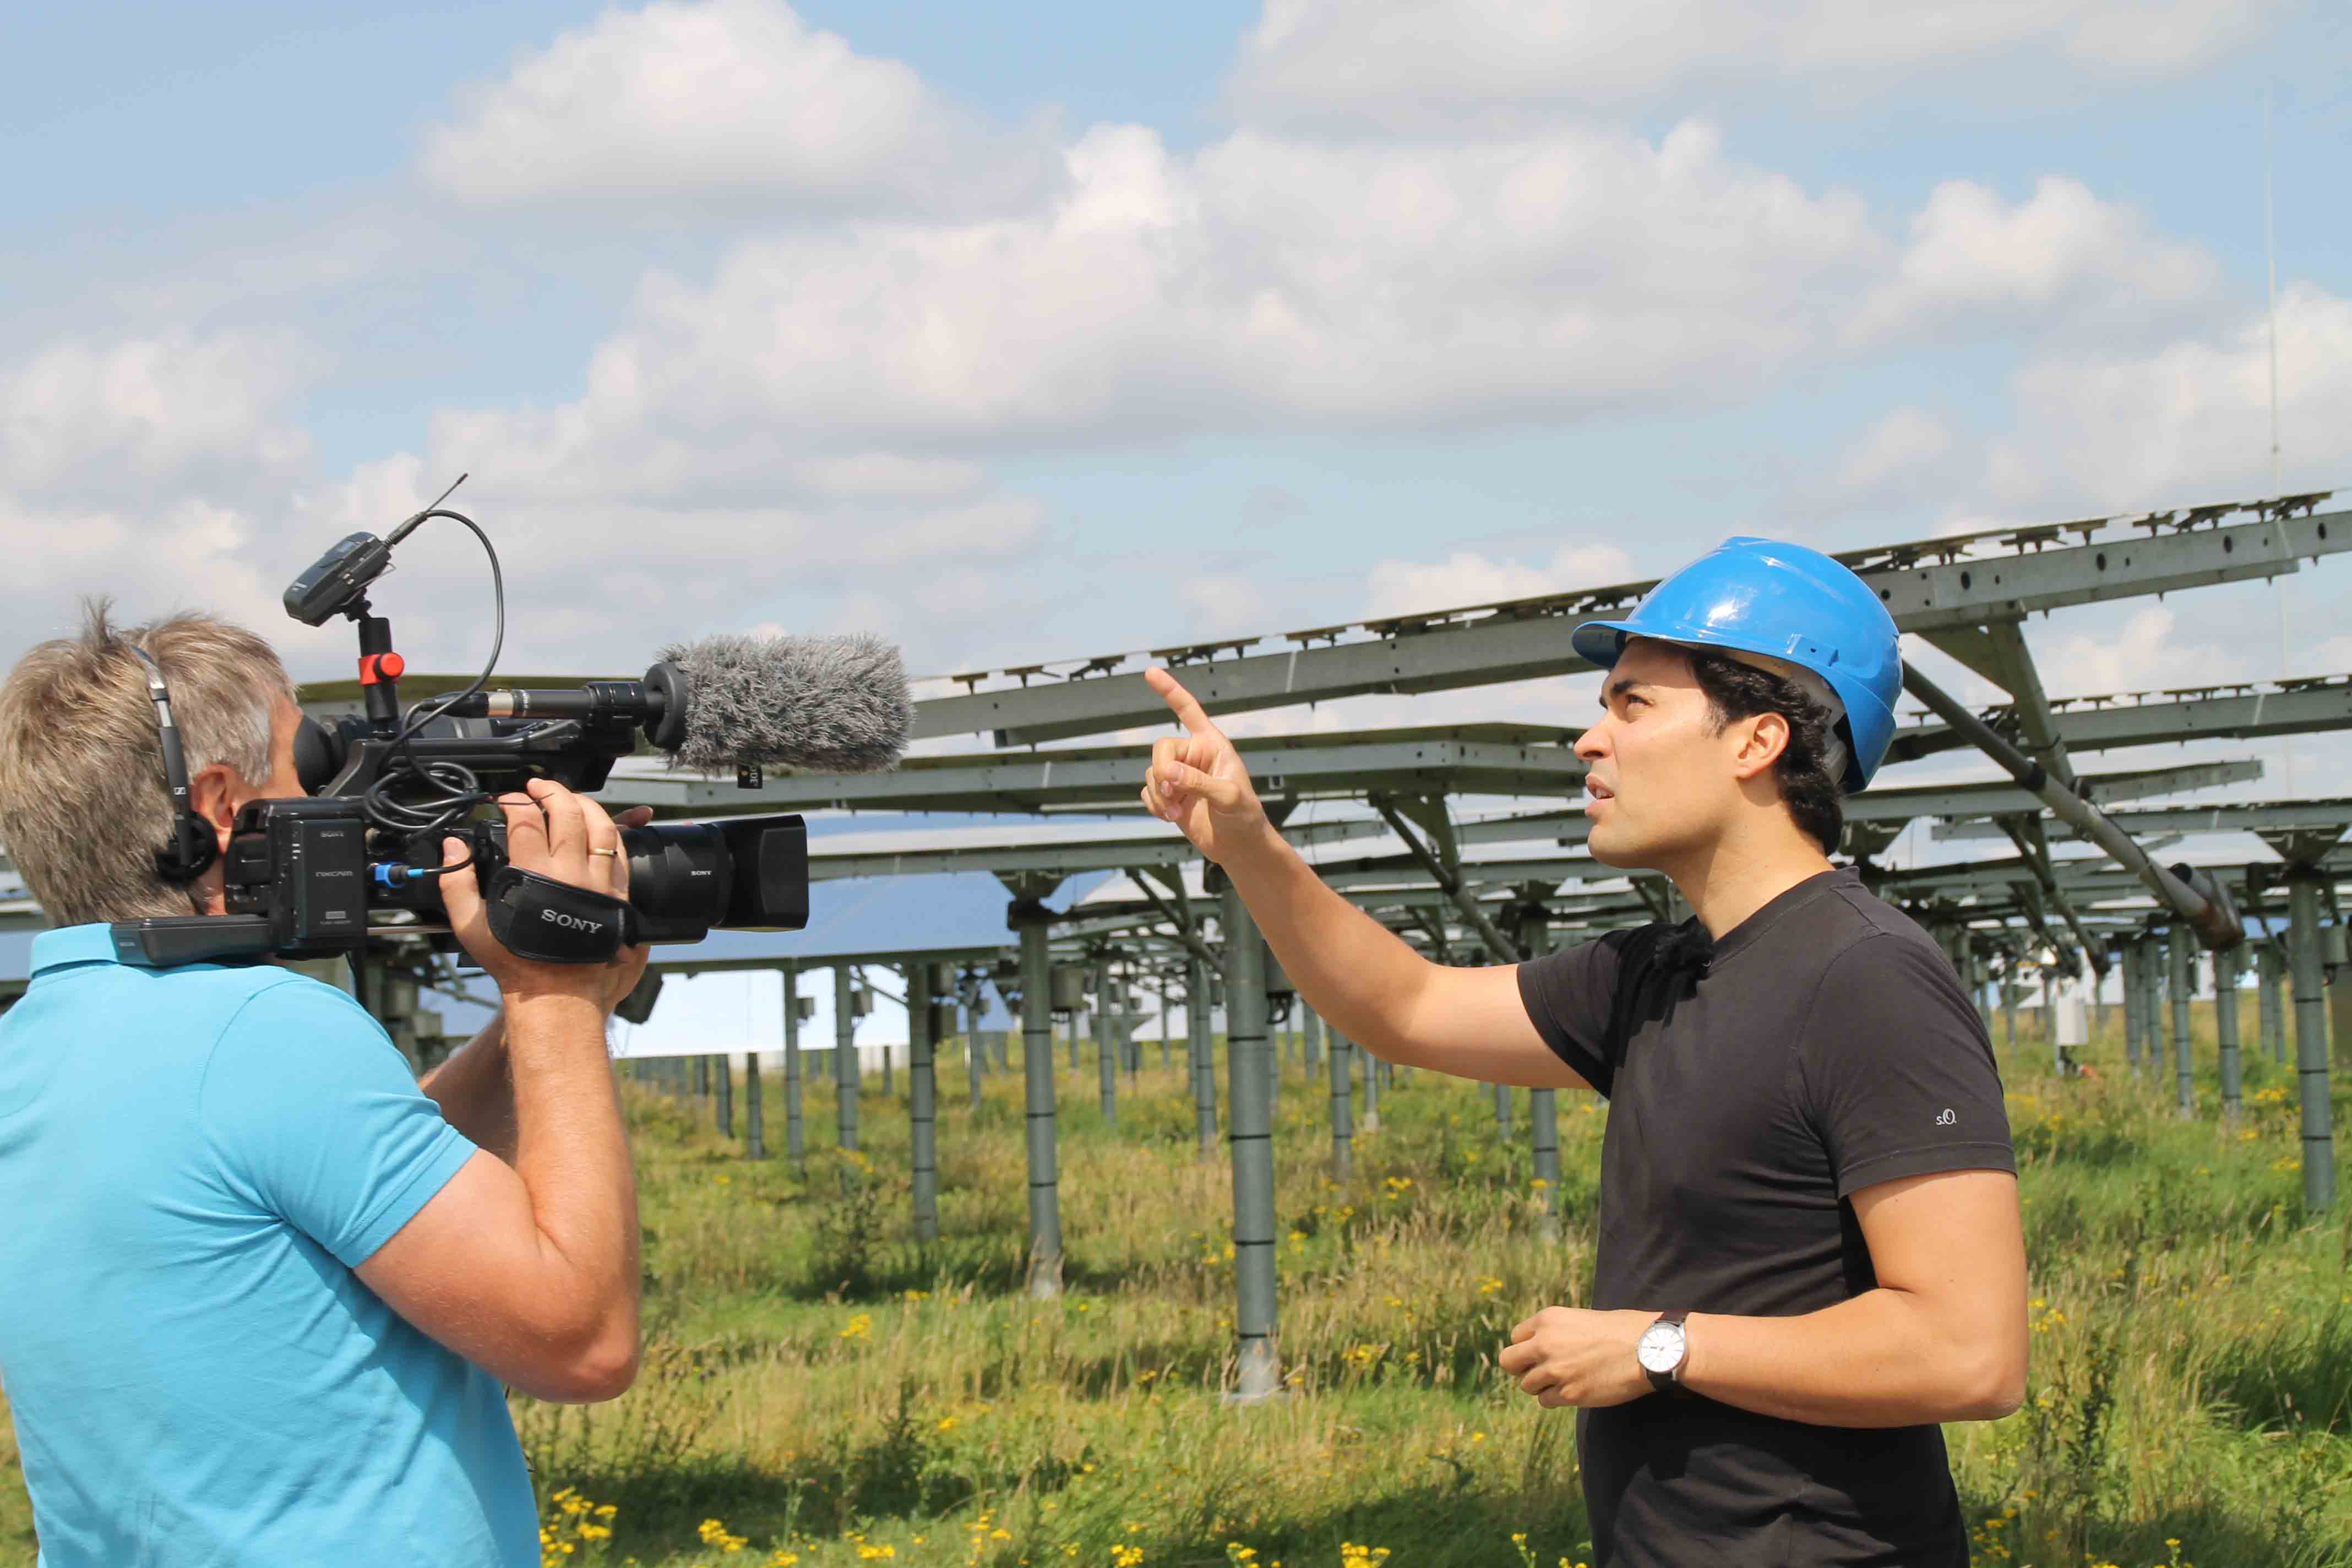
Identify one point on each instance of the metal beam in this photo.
(2254, 817)
(1975, 582)
(1029, 782)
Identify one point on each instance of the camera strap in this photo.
(548, 922)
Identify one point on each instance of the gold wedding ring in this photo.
(593, 850)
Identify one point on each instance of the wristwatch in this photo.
(1663, 1348)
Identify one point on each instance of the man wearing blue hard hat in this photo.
(1809, 1251)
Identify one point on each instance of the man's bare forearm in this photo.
(1354, 971)
(474, 1092)
(1881, 1358)
(571, 1150)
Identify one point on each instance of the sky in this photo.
(1022, 334)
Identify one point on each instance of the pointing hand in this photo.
(1197, 781)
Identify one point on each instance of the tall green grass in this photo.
(818, 1389)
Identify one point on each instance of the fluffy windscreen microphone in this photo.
(825, 704)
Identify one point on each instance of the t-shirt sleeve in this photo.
(1571, 997)
(1899, 1074)
(314, 1117)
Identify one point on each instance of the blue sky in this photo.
(1024, 332)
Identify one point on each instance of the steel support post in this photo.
(1371, 1121)
(755, 1116)
(1251, 1139)
(1543, 1104)
(702, 1076)
(723, 1080)
(795, 1134)
(2225, 1029)
(1106, 1044)
(2180, 948)
(1343, 1108)
(1165, 1042)
(922, 1102)
(1075, 1063)
(2009, 1009)
(1310, 1035)
(844, 1060)
(2311, 1040)
(1502, 1109)
(975, 1054)
(2269, 972)
(1202, 1039)
(2134, 1025)
(2160, 1016)
(1032, 920)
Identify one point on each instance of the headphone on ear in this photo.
(193, 846)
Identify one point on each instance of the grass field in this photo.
(819, 1392)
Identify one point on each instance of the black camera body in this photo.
(362, 854)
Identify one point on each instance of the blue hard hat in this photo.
(1761, 596)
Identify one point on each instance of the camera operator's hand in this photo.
(570, 838)
(1198, 783)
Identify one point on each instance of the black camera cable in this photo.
(439, 795)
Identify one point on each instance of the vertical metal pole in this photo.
(702, 1076)
(2128, 966)
(2269, 969)
(2225, 1029)
(1343, 1107)
(975, 1052)
(2181, 948)
(755, 1115)
(2098, 998)
(1037, 1078)
(2009, 1007)
(1310, 1029)
(1074, 1039)
(1503, 1110)
(2311, 1040)
(1543, 1104)
(722, 1077)
(1251, 1140)
(795, 1135)
(922, 1101)
(1106, 1044)
(1372, 1070)
(1199, 1023)
(1163, 1025)
(844, 1060)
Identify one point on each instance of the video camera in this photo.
(362, 854)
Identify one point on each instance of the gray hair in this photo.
(82, 802)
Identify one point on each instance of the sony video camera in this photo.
(363, 853)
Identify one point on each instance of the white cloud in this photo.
(733, 99)
(121, 418)
(1415, 62)
(1421, 282)
(1898, 446)
(2061, 253)
(1467, 578)
(2186, 421)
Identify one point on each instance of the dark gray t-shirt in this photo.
(1754, 1084)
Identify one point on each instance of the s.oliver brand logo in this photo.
(574, 922)
(1946, 1120)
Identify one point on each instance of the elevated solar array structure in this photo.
(1463, 839)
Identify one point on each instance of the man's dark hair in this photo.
(1735, 690)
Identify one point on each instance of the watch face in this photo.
(1661, 1348)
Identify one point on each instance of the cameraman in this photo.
(263, 1285)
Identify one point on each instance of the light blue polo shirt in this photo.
(192, 1163)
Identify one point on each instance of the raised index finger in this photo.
(1180, 702)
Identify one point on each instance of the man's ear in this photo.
(214, 796)
(1762, 740)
